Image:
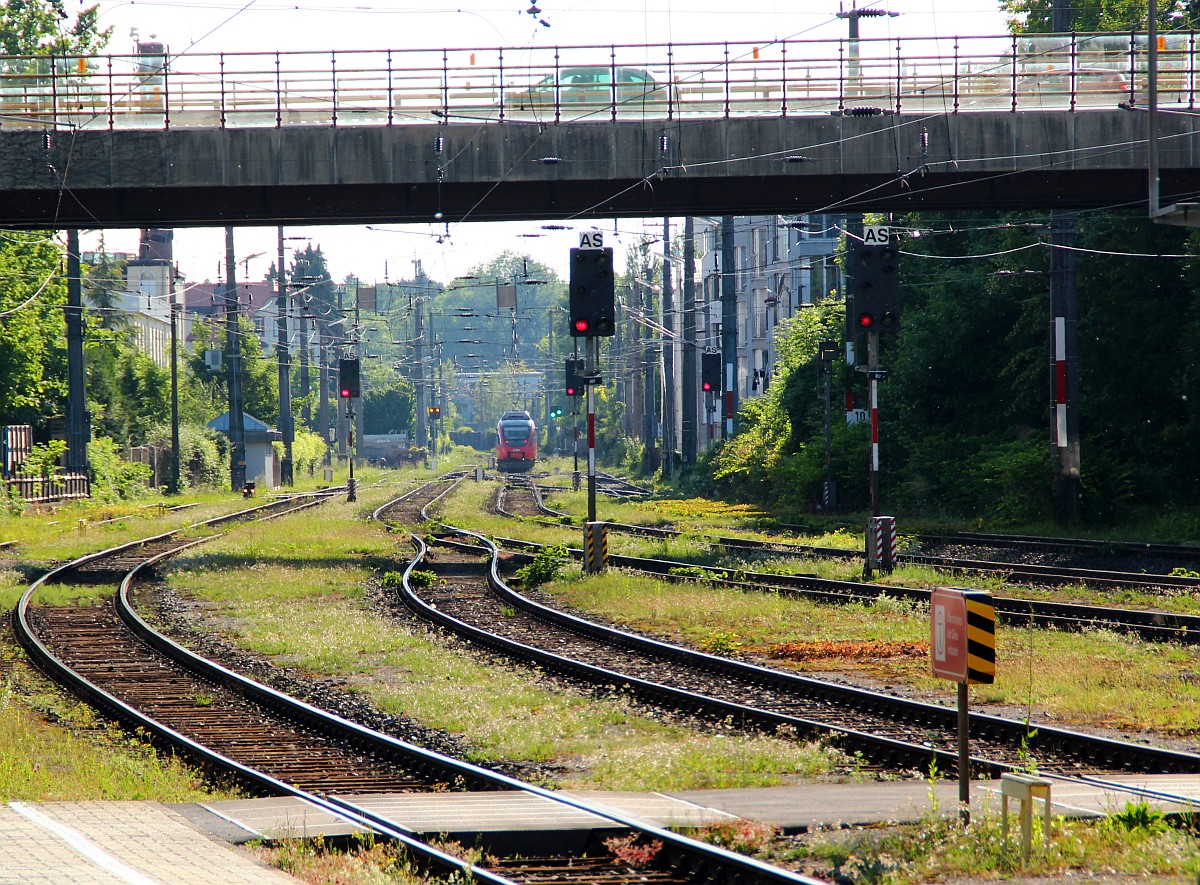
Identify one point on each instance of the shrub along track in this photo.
(1154, 625)
(278, 745)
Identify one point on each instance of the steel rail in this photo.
(1146, 624)
(1155, 626)
(426, 856)
(1120, 755)
(1014, 572)
(700, 858)
(1040, 542)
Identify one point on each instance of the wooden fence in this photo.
(41, 489)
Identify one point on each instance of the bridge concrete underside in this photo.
(514, 170)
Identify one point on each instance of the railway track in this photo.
(890, 731)
(518, 496)
(1013, 572)
(409, 508)
(1149, 624)
(278, 745)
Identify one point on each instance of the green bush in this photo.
(419, 579)
(114, 478)
(201, 461)
(546, 565)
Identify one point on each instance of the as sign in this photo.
(591, 239)
(876, 235)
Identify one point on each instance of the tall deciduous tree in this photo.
(1036, 16)
(44, 27)
(32, 331)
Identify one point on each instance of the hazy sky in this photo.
(211, 26)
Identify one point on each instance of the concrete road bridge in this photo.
(151, 139)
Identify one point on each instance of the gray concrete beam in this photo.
(183, 177)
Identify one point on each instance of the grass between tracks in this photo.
(53, 748)
(301, 598)
(1097, 678)
(308, 573)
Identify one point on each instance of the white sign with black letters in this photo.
(591, 239)
(876, 234)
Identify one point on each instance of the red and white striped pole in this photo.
(874, 388)
(1060, 382)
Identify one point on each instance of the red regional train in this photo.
(516, 442)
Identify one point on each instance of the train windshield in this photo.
(516, 433)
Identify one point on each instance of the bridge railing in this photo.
(593, 83)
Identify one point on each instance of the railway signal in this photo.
(349, 384)
(592, 300)
(710, 372)
(575, 382)
(435, 412)
(874, 271)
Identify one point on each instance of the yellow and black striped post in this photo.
(962, 643)
(981, 637)
(595, 547)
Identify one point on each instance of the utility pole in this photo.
(688, 351)
(287, 427)
(419, 343)
(854, 70)
(873, 375)
(233, 369)
(356, 415)
(343, 420)
(547, 378)
(78, 420)
(1064, 364)
(305, 385)
(729, 331)
(634, 386)
(648, 397)
(670, 391)
(1064, 338)
(323, 373)
(175, 480)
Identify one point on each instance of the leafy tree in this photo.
(129, 394)
(103, 284)
(204, 391)
(32, 331)
(1036, 16)
(43, 27)
(388, 407)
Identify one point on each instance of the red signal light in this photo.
(344, 393)
(570, 391)
(866, 320)
(706, 387)
(581, 325)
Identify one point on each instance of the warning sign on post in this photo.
(962, 637)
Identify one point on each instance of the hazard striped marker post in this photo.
(881, 545)
(962, 644)
(595, 548)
